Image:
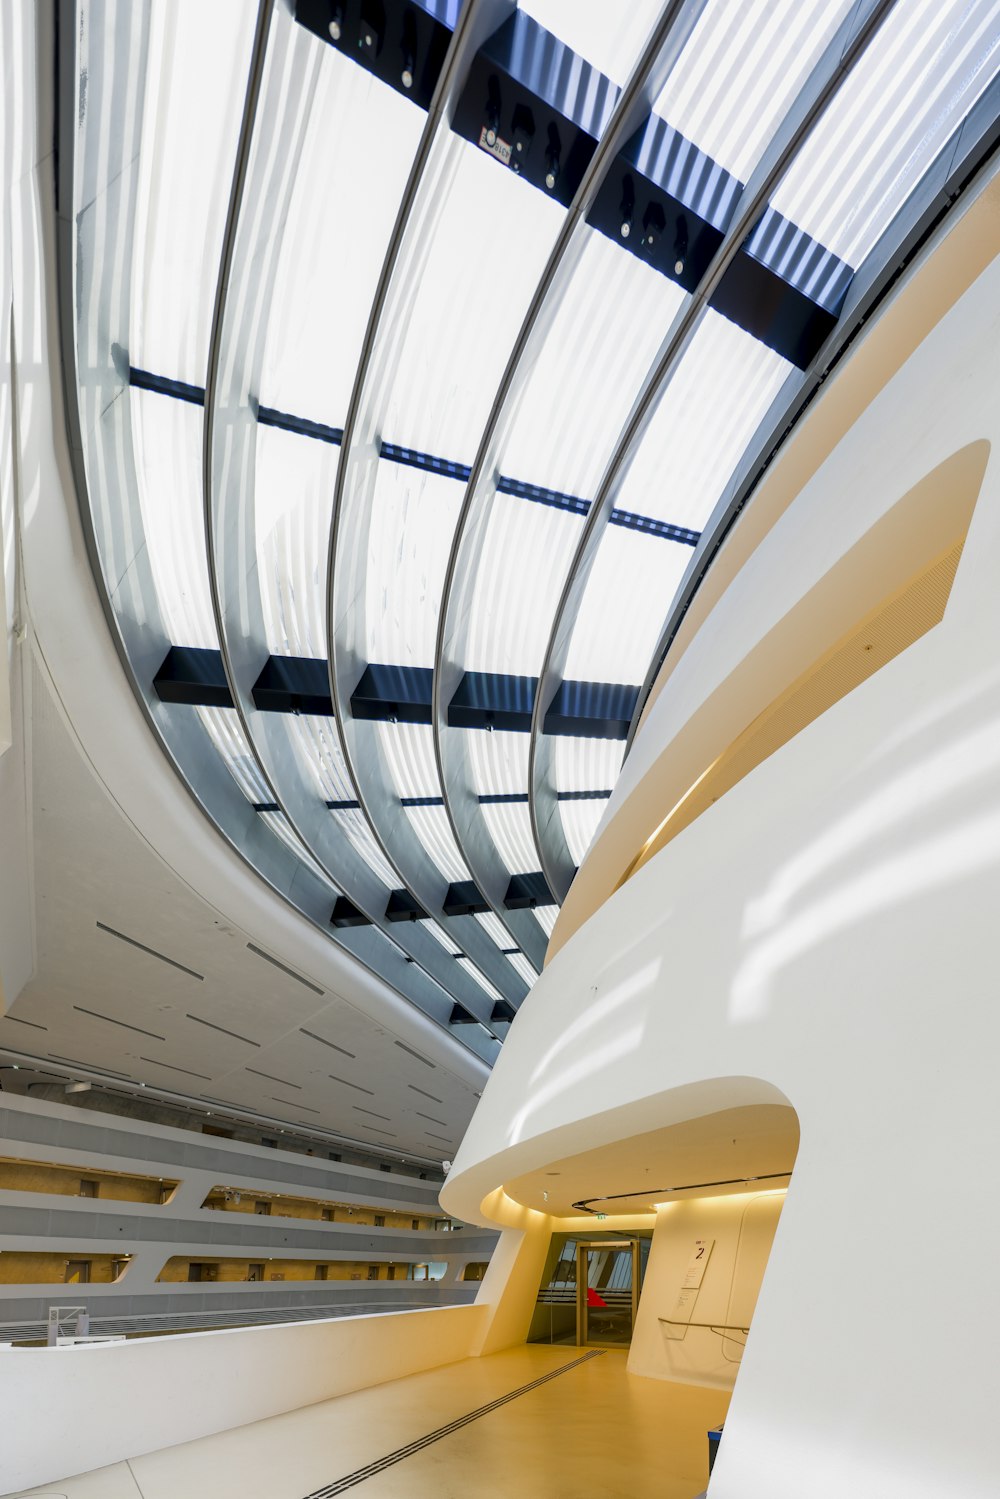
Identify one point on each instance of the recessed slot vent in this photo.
(359, 1109)
(123, 1023)
(222, 1030)
(150, 950)
(324, 1042)
(424, 1094)
(356, 1086)
(403, 1047)
(259, 952)
(205, 1076)
(430, 1117)
(272, 1079)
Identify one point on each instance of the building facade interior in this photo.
(499, 596)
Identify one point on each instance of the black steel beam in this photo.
(193, 676)
(526, 891)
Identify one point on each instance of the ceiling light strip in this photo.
(834, 67)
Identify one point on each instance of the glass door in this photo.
(607, 1286)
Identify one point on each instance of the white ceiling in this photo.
(734, 1150)
(91, 866)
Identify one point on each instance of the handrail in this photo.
(722, 1328)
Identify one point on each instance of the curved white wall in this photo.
(824, 934)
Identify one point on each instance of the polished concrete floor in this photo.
(592, 1432)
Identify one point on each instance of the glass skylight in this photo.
(432, 827)
(498, 762)
(413, 520)
(610, 42)
(494, 928)
(510, 828)
(580, 820)
(492, 237)
(590, 368)
(480, 978)
(199, 58)
(739, 72)
(522, 967)
(626, 600)
(226, 731)
(724, 384)
(526, 555)
(279, 824)
(546, 917)
(356, 157)
(167, 440)
(920, 76)
(409, 753)
(587, 764)
(294, 502)
(354, 825)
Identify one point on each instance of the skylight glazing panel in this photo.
(498, 762)
(480, 978)
(493, 235)
(920, 77)
(740, 71)
(432, 827)
(356, 157)
(626, 600)
(589, 370)
(610, 41)
(360, 834)
(709, 412)
(525, 559)
(522, 967)
(413, 521)
(580, 822)
(320, 757)
(199, 57)
(546, 918)
(295, 478)
(587, 764)
(509, 824)
(494, 928)
(279, 825)
(226, 732)
(167, 441)
(409, 753)
(440, 935)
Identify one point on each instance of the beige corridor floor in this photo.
(595, 1432)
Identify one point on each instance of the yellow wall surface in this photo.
(176, 1269)
(43, 1176)
(738, 1232)
(311, 1208)
(18, 1269)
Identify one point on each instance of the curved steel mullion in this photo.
(263, 180)
(94, 237)
(354, 497)
(677, 20)
(825, 79)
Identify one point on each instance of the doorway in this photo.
(607, 1292)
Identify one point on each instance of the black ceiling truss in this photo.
(402, 694)
(539, 110)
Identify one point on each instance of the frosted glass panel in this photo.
(199, 57)
(294, 504)
(167, 438)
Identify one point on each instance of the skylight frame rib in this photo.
(953, 170)
(675, 23)
(280, 97)
(826, 77)
(95, 201)
(354, 503)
